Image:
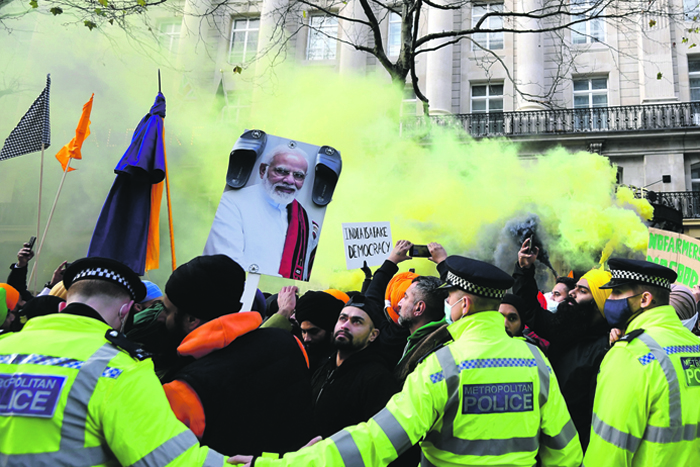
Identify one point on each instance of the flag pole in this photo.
(53, 208)
(167, 195)
(38, 218)
(170, 213)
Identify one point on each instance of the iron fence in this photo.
(564, 121)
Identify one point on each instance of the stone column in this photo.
(438, 75)
(656, 56)
(195, 49)
(269, 17)
(352, 60)
(530, 59)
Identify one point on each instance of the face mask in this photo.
(551, 304)
(618, 312)
(448, 312)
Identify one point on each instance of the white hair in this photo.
(283, 149)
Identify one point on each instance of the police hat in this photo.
(476, 277)
(105, 269)
(632, 271)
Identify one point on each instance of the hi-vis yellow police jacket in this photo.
(68, 397)
(647, 402)
(484, 399)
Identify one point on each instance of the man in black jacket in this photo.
(578, 334)
(234, 377)
(354, 383)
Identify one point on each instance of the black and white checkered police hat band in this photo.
(107, 274)
(636, 276)
(468, 287)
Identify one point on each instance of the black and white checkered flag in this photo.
(33, 130)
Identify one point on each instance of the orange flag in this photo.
(72, 149)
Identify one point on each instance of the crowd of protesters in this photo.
(269, 379)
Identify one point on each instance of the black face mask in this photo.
(575, 316)
(154, 336)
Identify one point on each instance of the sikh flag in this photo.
(33, 130)
(72, 149)
(128, 227)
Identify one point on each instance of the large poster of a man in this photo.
(270, 215)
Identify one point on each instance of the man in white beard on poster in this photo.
(264, 228)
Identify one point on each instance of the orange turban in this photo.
(395, 292)
(597, 278)
(342, 296)
(9, 298)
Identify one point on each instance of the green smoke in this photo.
(433, 185)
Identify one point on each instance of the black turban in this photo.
(370, 307)
(207, 287)
(515, 301)
(320, 308)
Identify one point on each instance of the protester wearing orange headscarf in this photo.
(395, 292)
(8, 301)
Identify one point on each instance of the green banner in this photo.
(676, 251)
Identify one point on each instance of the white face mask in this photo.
(448, 311)
(551, 304)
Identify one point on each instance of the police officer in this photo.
(484, 399)
(646, 410)
(74, 391)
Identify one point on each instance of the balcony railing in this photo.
(630, 118)
(687, 202)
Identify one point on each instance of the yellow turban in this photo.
(59, 290)
(596, 278)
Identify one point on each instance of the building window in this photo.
(488, 40)
(590, 104)
(487, 110)
(236, 107)
(244, 39)
(695, 177)
(170, 36)
(487, 98)
(694, 78)
(394, 41)
(592, 30)
(409, 103)
(323, 31)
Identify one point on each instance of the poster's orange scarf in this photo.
(296, 243)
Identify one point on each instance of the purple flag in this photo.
(121, 232)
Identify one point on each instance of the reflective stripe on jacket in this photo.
(69, 397)
(485, 399)
(647, 410)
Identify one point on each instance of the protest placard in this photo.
(366, 241)
(676, 251)
(271, 212)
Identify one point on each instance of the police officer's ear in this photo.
(467, 305)
(647, 299)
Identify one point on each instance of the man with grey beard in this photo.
(263, 227)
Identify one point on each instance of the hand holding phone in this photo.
(419, 251)
(25, 253)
